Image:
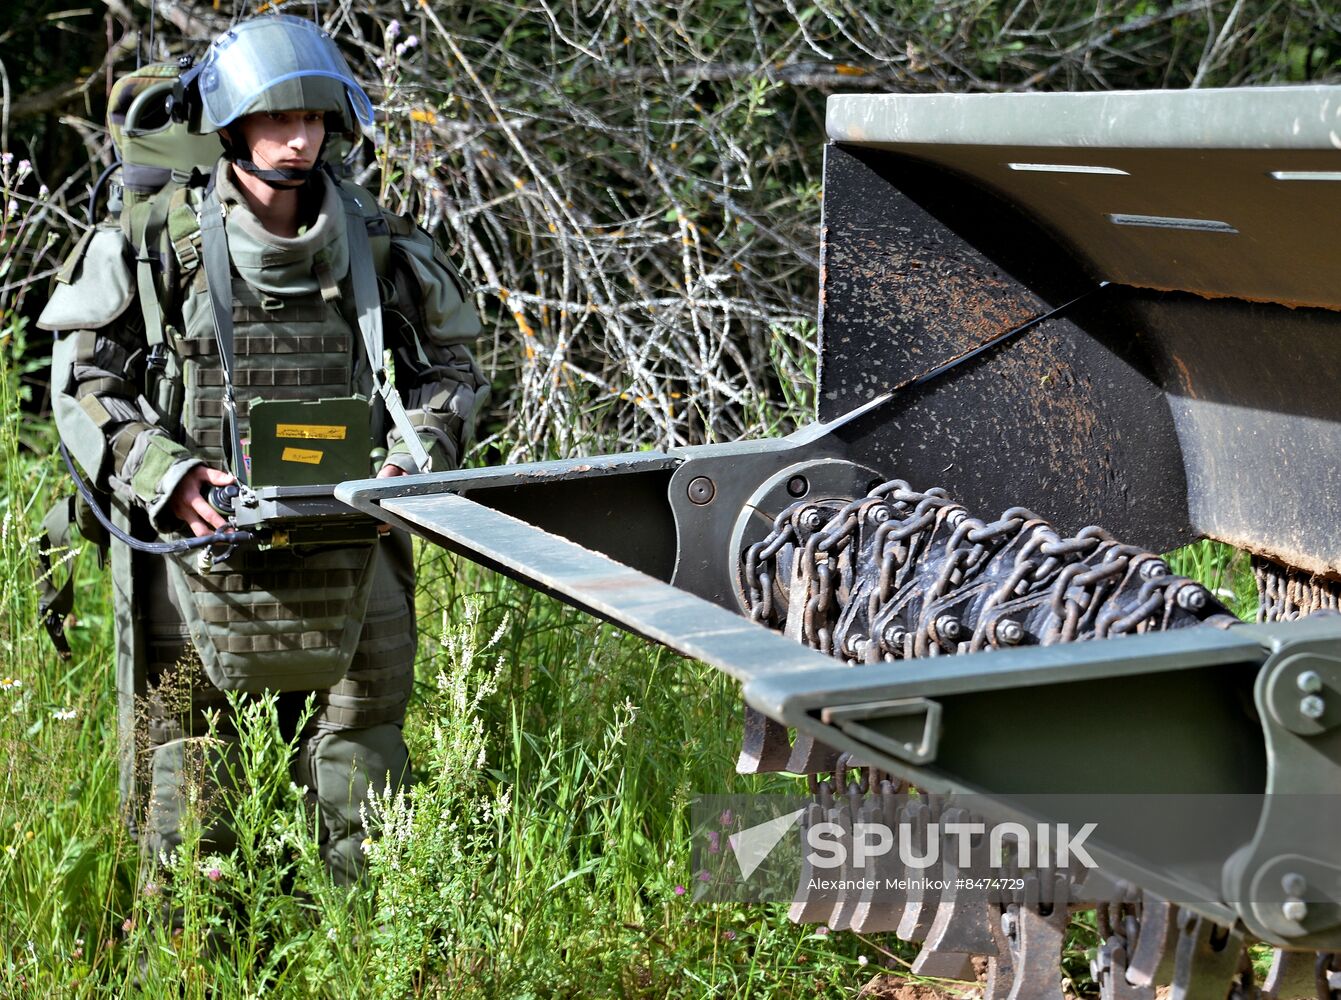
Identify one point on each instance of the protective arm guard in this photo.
(97, 375)
(429, 324)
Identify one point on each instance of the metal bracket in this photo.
(917, 718)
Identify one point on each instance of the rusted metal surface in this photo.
(1206, 959)
(1253, 395)
(1163, 416)
(899, 573)
(1066, 420)
(1036, 931)
(1285, 594)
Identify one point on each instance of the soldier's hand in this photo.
(188, 502)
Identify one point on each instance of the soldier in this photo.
(267, 287)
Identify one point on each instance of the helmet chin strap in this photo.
(276, 176)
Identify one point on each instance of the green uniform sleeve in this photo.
(430, 325)
(98, 375)
(109, 426)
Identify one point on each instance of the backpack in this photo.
(152, 151)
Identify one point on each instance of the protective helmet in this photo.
(277, 62)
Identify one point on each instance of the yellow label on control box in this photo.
(313, 432)
(308, 456)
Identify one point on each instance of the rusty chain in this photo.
(1285, 594)
(898, 574)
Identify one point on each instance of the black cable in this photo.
(97, 186)
(154, 548)
(1053, 313)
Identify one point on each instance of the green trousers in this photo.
(351, 745)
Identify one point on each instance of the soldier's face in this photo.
(283, 139)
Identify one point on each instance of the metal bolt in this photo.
(1294, 884)
(893, 636)
(811, 519)
(798, 486)
(702, 490)
(947, 627)
(956, 517)
(1009, 632)
(1152, 568)
(1192, 598)
(1009, 924)
(879, 515)
(1312, 707)
(856, 646)
(1295, 909)
(1309, 682)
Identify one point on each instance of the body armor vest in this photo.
(277, 619)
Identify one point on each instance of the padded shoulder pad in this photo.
(100, 286)
(360, 200)
(400, 225)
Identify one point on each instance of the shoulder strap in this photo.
(145, 242)
(219, 288)
(55, 603)
(367, 304)
(68, 515)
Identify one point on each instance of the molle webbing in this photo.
(275, 581)
(278, 619)
(269, 343)
(285, 642)
(299, 347)
(300, 610)
(381, 676)
(269, 378)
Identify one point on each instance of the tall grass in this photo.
(537, 855)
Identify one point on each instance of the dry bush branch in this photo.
(632, 188)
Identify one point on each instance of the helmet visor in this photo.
(257, 55)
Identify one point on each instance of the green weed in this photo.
(1224, 570)
(537, 855)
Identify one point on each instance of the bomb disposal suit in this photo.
(145, 394)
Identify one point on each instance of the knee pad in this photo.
(192, 769)
(344, 768)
